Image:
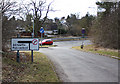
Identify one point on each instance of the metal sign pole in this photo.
(32, 50)
(82, 44)
(33, 37)
(33, 24)
(41, 39)
(32, 55)
(41, 31)
(83, 32)
(18, 55)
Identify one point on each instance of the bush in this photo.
(105, 30)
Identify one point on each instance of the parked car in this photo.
(46, 42)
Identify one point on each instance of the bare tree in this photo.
(0, 31)
(40, 11)
(7, 9)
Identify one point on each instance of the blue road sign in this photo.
(83, 31)
(41, 30)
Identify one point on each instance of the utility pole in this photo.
(32, 37)
(33, 24)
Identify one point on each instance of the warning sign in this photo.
(25, 44)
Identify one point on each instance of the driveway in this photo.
(77, 66)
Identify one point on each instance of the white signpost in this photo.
(25, 44)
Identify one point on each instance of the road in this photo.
(77, 66)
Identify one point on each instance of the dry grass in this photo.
(41, 70)
(100, 50)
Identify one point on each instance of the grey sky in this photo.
(67, 7)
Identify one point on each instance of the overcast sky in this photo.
(67, 7)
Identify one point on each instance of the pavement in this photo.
(77, 66)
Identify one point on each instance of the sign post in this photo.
(18, 55)
(41, 31)
(31, 55)
(32, 37)
(25, 44)
(83, 32)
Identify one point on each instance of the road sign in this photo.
(34, 41)
(83, 31)
(25, 44)
(41, 30)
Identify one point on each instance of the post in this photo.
(32, 37)
(33, 28)
(33, 24)
(32, 55)
(41, 39)
(41, 31)
(18, 55)
(82, 45)
(83, 32)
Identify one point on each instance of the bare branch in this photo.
(6, 6)
(48, 9)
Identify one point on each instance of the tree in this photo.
(61, 26)
(38, 8)
(108, 6)
(72, 22)
(106, 25)
(86, 22)
(7, 8)
(28, 23)
(75, 24)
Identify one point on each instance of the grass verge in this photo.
(41, 70)
(100, 50)
(47, 46)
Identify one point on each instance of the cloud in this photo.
(110, 0)
(67, 7)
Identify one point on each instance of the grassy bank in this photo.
(47, 46)
(41, 70)
(100, 50)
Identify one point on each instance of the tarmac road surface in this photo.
(77, 66)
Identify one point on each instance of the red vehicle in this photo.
(46, 42)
